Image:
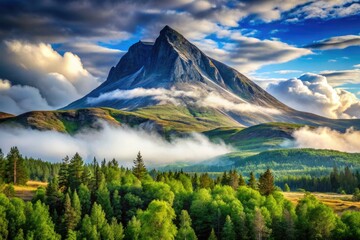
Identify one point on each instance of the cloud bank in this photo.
(53, 79)
(18, 99)
(247, 54)
(312, 93)
(326, 138)
(173, 96)
(121, 143)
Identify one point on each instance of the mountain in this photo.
(172, 87)
(173, 71)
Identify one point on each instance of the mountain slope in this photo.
(164, 119)
(174, 71)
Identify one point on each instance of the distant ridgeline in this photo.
(106, 201)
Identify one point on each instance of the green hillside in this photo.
(164, 118)
(283, 162)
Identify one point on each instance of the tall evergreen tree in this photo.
(76, 205)
(186, 232)
(2, 167)
(133, 229)
(266, 183)
(76, 168)
(212, 235)
(103, 199)
(228, 232)
(261, 231)
(234, 179)
(241, 180)
(69, 218)
(139, 169)
(252, 181)
(64, 174)
(85, 199)
(116, 204)
(16, 170)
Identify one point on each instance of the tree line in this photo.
(340, 181)
(17, 170)
(107, 201)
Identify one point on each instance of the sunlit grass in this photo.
(338, 202)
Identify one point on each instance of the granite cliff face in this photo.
(172, 71)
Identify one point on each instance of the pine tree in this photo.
(16, 170)
(266, 183)
(2, 167)
(241, 180)
(212, 235)
(85, 199)
(234, 179)
(335, 179)
(69, 218)
(133, 229)
(86, 176)
(228, 232)
(116, 203)
(117, 229)
(75, 171)
(76, 205)
(261, 231)
(64, 174)
(185, 230)
(98, 176)
(139, 169)
(252, 181)
(286, 188)
(103, 199)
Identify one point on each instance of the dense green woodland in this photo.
(283, 162)
(106, 201)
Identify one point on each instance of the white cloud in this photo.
(60, 79)
(121, 143)
(312, 93)
(173, 96)
(287, 71)
(326, 138)
(327, 9)
(340, 77)
(216, 101)
(96, 59)
(161, 94)
(18, 99)
(247, 54)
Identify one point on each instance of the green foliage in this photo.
(185, 230)
(212, 235)
(228, 232)
(286, 188)
(133, 229)
(352, 223)
(266, 183)
(15, 169)
(315, 220)
(252, 181)
(9, 190)
(139, 169)
(159, 215)
(151, 207)
(75, 171)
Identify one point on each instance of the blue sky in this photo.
(76, 43)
